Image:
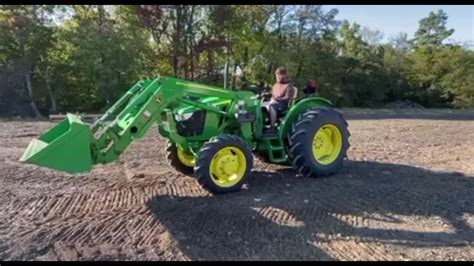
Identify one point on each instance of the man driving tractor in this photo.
(282, 93)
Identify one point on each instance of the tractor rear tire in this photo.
(224, 164)
(318, 142)
(172, 156)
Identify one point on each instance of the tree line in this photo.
(82, 58)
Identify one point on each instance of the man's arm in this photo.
(274, 96)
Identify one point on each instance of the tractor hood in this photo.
(213, 101)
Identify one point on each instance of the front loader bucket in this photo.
(65, 147)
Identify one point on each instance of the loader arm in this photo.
(74, 146)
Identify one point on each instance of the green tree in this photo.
(440, 75)
(401, 42)
(94, 61)
(432, 30)
(370, 36)
(363, 81)
(83, 57)
(443, 76)
(396, 67)
(27, 35)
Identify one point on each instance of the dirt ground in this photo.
(406, 192)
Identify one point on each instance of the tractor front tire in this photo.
(178, 159)
(224, 164)
(318, 142)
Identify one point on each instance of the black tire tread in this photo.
(173, 160)
(201, 169)
(297, 140)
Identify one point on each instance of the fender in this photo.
(299, 108)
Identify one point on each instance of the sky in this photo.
(392, 19)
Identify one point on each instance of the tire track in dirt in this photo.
(4, 247)
(124, 195)
(370, 211)
(351, 249)
(280, 217)
(341, 205)
(33, 181)
(371, 242)
(291, 227)
(116, 196)
(128, 226)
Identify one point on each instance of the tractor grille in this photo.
(192, 126)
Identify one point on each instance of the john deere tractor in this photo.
(211, 133)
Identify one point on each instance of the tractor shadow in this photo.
(286, 217)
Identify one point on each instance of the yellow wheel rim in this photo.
(228, 166)
(184, 158)
(327, 144)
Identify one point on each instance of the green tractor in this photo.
(211, 133)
